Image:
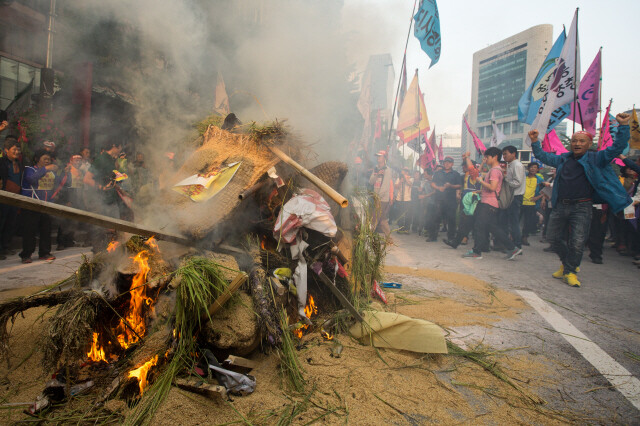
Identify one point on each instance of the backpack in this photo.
(505, 196)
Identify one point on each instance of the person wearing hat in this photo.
(445, 182)
(583, 177)
(382, 182)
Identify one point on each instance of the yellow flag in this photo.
(412, 121)
(634, 142)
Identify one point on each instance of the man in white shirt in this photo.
(516, 179)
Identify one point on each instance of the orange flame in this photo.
(141, 373)
(153, 243)
(139, 299)
(326, 335)
(112, 246)
(96, 353)
(310, 309)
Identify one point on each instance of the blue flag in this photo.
(531, 100)
(427, 29)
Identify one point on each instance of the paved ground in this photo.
(14, 274)
(604, 310)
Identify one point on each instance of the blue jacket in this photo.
(597, 166)
(39, 183)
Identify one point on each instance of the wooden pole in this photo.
(91, 218)
(332, 193)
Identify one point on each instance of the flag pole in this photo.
(575, 75)
(404, 65)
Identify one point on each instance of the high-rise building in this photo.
(501, 74)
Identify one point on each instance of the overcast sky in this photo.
(380, 26)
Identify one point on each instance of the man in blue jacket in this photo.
(583, 177)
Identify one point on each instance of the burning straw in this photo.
(201, 282)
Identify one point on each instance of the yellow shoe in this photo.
(571, 279)
(559, 274)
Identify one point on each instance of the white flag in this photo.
(497, 137)
(563, 86)
(221, 101)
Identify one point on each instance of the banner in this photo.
(364, 106)
(564, 83)
(476, 140)
(221, 100)
(530, 101)
(403, 84)
(497, 137)
(553, 144)
(427, 29)
(413, 120)
(634, 142)
(604, 139)
(589, 97)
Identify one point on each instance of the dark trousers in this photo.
(529, 220)
(597, 232)
(568, 232)
(464, 227)
(545, 223)
(513, 220)
(486, 220)
(8, 215)
(444, 210)
(35, 223)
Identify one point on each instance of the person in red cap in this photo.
(584, 177)
(382, 182)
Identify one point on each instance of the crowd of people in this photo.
(103, 184)
(573, 201)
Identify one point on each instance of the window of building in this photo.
(525, 156)
(15, 77)
(500, 86)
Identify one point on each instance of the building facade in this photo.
(501, 74)
(23, 46)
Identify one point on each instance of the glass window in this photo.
(14, 77)
(525, 155)
(8, 69)
(500, 86)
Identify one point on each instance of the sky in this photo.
(380, 26)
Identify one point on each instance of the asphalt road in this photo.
(604, 309)
(14, 274)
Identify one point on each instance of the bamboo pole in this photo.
(332, 193)
(92, 218)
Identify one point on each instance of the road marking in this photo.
(616, 374)
(38, 263)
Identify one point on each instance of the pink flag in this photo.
(476, 140)
(440, 151)
(552, 140)
(605, 140)
(588, 97)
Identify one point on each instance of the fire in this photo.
(151, 242)
(139, 299)
(97, 352)
(310, 309)
(326, 335)
(141, 373)
(112, 246)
